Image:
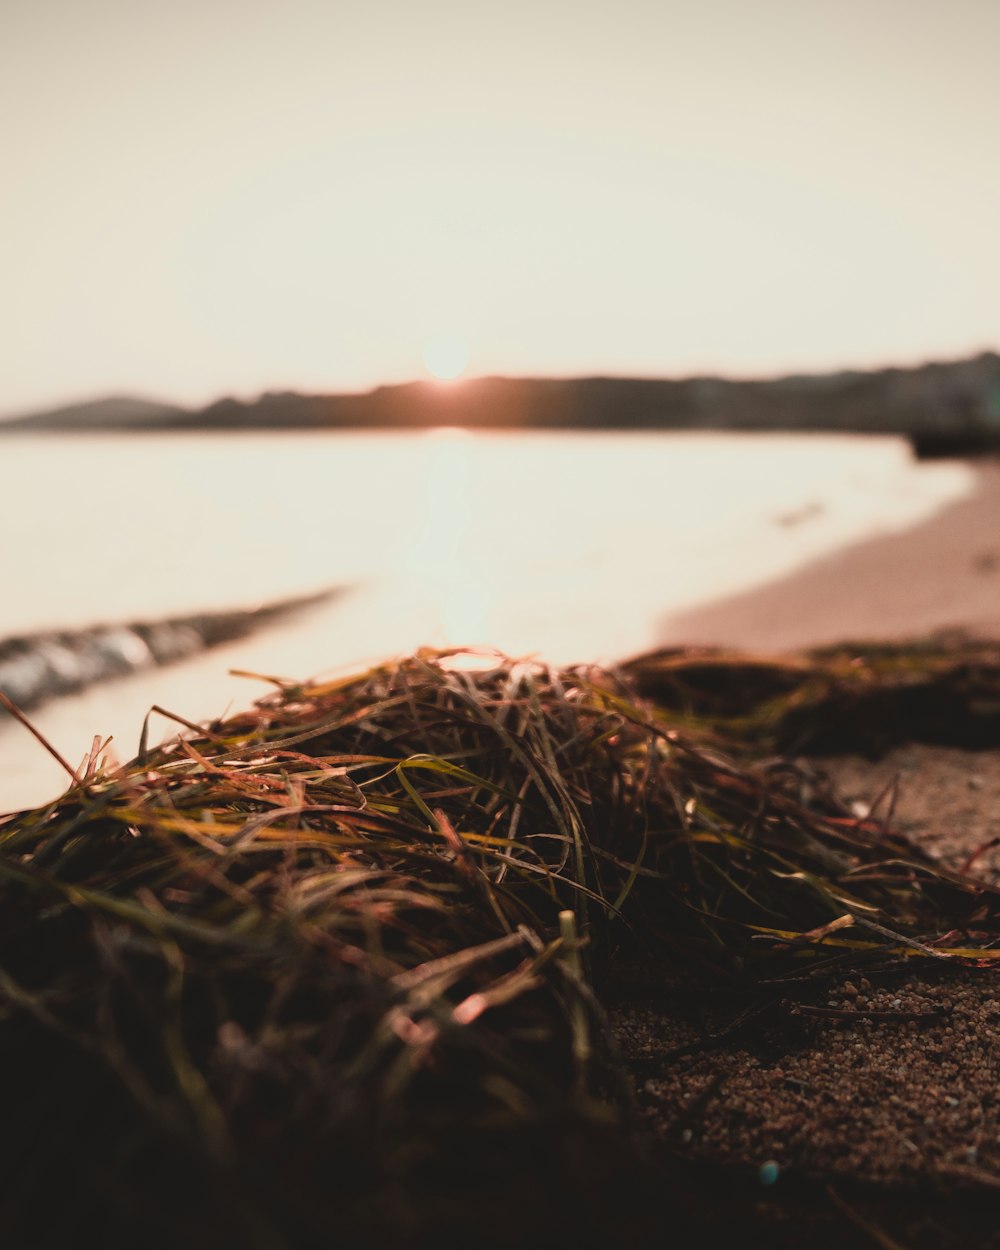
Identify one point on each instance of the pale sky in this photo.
(223, 196)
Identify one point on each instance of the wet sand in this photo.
(941, 574)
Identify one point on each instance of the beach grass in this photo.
(329, 964)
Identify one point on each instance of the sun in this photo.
(446, 356)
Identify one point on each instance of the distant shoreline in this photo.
(945, 408)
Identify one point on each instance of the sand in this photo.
(885, 1078)
(941, 574)
(867, 1114)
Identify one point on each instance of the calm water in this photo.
(573, 546)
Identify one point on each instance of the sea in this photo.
(569, 546)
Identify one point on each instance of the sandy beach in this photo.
(842, 1109)
(890, 1128)
(942, 574)
(874, 1106)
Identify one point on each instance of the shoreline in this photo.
(942, 574)
(603, 608)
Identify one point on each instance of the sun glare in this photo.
(446, 356)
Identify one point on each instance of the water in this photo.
(572, 546)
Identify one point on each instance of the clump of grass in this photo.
(305, 968)
(860, 697)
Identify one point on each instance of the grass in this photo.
(328, 965)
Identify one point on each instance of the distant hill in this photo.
(938, 404)
(117, 412)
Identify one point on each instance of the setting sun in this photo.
(446, 356)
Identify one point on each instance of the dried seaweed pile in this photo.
(326, 966)
(861, 698)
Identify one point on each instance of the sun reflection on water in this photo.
(443, 560)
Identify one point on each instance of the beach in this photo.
(500, 626)
(442, 538)
(792, 1035)
(871, 1106)
(848, 1109)
(878, 1104)
(941, 574)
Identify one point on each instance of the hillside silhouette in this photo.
(942, 406)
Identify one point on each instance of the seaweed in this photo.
(853, 697)
(326, 967)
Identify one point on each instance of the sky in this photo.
(215, 197)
